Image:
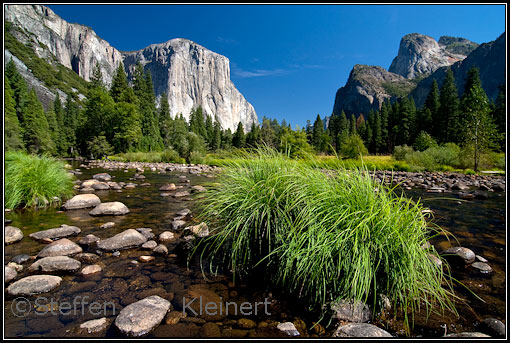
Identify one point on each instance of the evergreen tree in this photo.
(54, 129)
(499, 115)
(19, 88)
(96, 81)
(36, 133)
(384, 115)
(432, 104)
(377, 141)
(449, 121)
(165, 120)
(59, 117)
(238, 140)
(352, 125)
(71, 114)
(197, 122)
(268, 134)
(226, 139)
(480, 130)
(209, 129)
(119, 84)
(216, 136)
(126, 127)
(317, 133)
(13, 134)
(253, 137)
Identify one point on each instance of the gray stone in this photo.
(102, 177)
(59, 232)
(10, 274)
(149, 245)
(82, 201)
(114, 208)
(92, 269)
(481, 259)
(95, 325)
(62, 247)
(482, 267)
(107, 225)
(34, 284)
(350, 311)
(460, 253)
(176, 224)
(88, 239)
(17, 267)
(147, 232)
(184, 212)
(20, 259)
(288, 328)
(161, 249)
(166, 236)
(168, 187)
(493, 327)
(87, 257)
(199, 189)
(12, 235)
(100, 186)
(467, 334)
(127, 239)
(181, 194)
(200, 230)
(141, 317)
(360, 330)
(55, 264)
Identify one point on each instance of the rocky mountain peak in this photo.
(419, 54)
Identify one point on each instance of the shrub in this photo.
(400, 152)
(424, 141)
(171, 156)
(447, 154)
(196, 157)
(99, 147)
(320, 237)
(35, 181)
(353, 147)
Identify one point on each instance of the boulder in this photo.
(62, 247)
(176, 224)
(181, 194)
(166, 236)
(55, 264)
(12, 235)
(147, 232)
(360, 330)
(82, 201)
(161, 249)
(127, 239)
(141, 317)
(59, 232)
(168, 187)
(100, 186)
(493, 327)
(20, 259)
(91, 269)
(200, 230)
(149, 245)
(114, 208)
(102, 177)
(352, 312)
(107, 225)
(482, 267)
(88, 239)
(10, 274)
(288, 328)
(459, 254)
(95, 325)
(34, 284)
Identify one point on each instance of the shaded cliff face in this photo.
(190, 74)
(489, 58)
(193, 76)
(420, 54)
(367, 88)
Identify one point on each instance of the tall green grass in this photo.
(321, 237)
(35, 180)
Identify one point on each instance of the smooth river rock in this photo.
(82, 201)
(102, 177)
(34, 284)
(141, 317)
(457, 254)
(62, 247)
(360, 330)
(12, 235)
(88, 239)
(114, 208)
(59, 232)
(200, 230)
(493, 327)
(168, 187)
(353, 312)
(10, 274)
(55, 264)
(288, 328)
(95, 325)
(127, 239)
(92, 269)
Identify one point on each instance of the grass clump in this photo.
(322, 237)
(35, 181)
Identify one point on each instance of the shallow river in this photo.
(477, 224)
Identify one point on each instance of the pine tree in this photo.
(119, 84)
(216, 137)
(59, 117)
(36, 133)
(19, 87)
(54, 129)
(126, 126)
(449, 123)
(253, 137)
(499, 115)
(165, 120)
(71, 114)
(96, 81)
(377, 141)
(432, 104)
(238, 140)
(352, 125)
(268, 134)
(317, 133)
(480, 130)
(209, 129)
(13, 134)
(384, 114)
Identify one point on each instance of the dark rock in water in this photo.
(147, 232)
(20, 259)
(460, 186)
(198, 308)
(88, 239)
(353, 312)
(493, 327)
(102, 177)
(497, 187)
(459, 254)
(480, 195)
(466, 196)
(87, 257)
(360, 330)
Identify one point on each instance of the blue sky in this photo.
(288, 60)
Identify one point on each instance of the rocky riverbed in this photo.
(123, 239)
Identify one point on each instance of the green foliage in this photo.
(171, 156)
(127, 129)
(424, 141)
(239, 138)
(400, 89)
(13, 134)
(99, 147)
(36, 133)
(295, 144)
(449, 123)
(353, 147)
(277, 219)
(400, 152)
(35, 181)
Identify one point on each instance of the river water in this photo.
(477, 224)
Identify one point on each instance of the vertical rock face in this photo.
(75, 46)
(193, 76)
(420, 54)
(190, 74)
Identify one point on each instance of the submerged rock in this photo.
(95, 325)
(114, 208)
(168, 187)
(288, 328)
(88, 239)
(141, 317)
(87, 257)
(34, 284)
(102, 177)
(360, 330)
(482, 267)
(62, 247)
(459, 254)
(12, 235)
(127, 239)
(20, 259)
(147, 232)
(59, 232)
(107, 225)
(55, 264)
(82, 201)
(493, 327)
